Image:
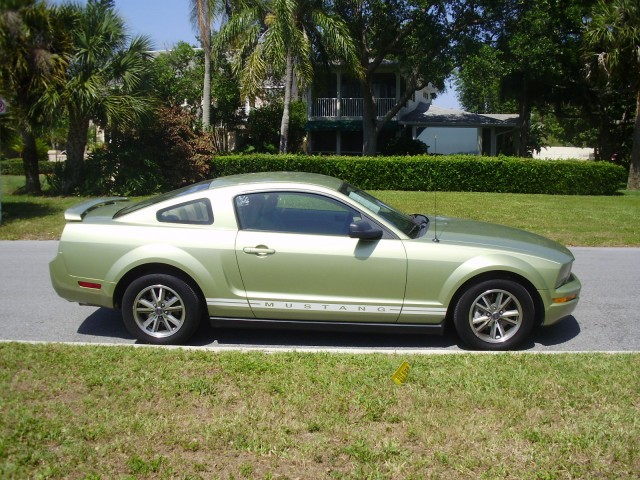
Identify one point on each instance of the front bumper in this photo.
(556, 307)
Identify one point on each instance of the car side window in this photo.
(196, 212)
(294, 212)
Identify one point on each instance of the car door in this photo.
(298, 262)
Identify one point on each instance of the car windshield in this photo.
(409, 225)
(196, 187)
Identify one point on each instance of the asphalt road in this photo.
(606, 319)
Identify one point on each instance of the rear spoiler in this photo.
(77, 213)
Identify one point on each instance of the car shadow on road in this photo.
(108, 323)
(560, 333)
(318, 339)
(105, 322)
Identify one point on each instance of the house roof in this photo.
(426, 114)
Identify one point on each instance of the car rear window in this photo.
(196, 212)
(196, 187)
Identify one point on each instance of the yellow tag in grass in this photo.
(401, 374)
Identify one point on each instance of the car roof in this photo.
(278, 177)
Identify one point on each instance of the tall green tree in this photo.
(538, 44)
(177, 77)
(478, 82)
(419, 36)
(33, 55)
(613, 38)
(105, 80)
(284, 39)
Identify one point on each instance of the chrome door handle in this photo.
(260, 250)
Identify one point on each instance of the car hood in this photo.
(482, 234)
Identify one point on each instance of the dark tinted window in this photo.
(196, 187)
(197, 212)
(294, 212)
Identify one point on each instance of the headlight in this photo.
(564, 275)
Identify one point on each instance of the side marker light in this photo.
(95, 286)
(566, 299)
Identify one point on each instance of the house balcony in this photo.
(347, 107)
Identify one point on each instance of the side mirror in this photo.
(364, 231)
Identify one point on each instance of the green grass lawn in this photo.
(26, 217)
(571, 220)
(124, 412)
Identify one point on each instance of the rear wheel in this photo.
(494, 315)
(161, 309)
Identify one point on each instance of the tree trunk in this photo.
(525, 114)
(633, 183)
(76, 143)
(286, 112)
(204, 24)
(206, 91)
(30, 163)
(369, 119)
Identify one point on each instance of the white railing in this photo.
(348, 107)
(351, 107)
(384, 105)
(325, 107)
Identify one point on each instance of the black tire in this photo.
(161, 309)
(494, 315)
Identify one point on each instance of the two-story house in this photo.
(335, 107)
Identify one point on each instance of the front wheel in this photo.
(161, 309)
(494, 315)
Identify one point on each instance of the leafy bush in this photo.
(263, 128)
(161, 154)
(14, 166)
(403, 145)
(462, 173)
(121, 172)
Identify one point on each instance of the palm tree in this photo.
(203, 13)
(202, 16)
(613, 38)
(284, 37)
(33, 48)
(105, 81)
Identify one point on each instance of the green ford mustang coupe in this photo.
(297, 250)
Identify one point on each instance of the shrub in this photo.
(126, 171)
(463, 173)
(15, 166)
(161, 154)
(403, 145)
(263, 128)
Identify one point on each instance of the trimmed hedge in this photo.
(14, 167)
(461, 173)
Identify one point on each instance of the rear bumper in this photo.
(68, 286)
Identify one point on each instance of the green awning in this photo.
(342, 125)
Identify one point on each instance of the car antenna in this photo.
(435, 211)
